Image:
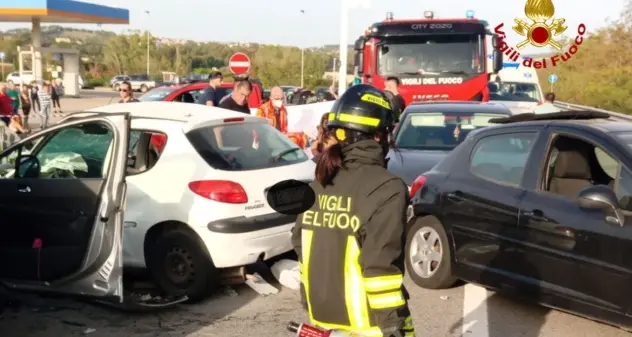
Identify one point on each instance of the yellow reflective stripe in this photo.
(376, 100)
(383, 283)
(409, 334)
(386, 300)
(306, 244)
(355, 119)
(408, 323)
(355, 296)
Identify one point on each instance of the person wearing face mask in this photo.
(274, 110)
(350, 243)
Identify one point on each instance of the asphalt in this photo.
(465, 310)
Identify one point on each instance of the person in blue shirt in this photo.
(209, 96)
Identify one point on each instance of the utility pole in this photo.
(344, 45)
(147, 12)
(302, 61)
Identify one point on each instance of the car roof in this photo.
(457, 106)
(601, 121)
(193, 115)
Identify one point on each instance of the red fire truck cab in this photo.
(435, 59)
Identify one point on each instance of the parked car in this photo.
(429, 131)
(189, 93)
(187, 191)
(538, 206)
(14, 77)
(116, 81)
(142, 83)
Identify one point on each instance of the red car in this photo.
(189, 93)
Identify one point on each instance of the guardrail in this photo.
(615, 115)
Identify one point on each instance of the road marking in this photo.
(475, 323)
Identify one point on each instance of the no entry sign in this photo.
(239, 63)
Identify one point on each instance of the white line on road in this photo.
(475, 323)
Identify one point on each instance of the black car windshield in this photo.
(157, 94)
(438, 130)
(514, 92)
(432, 55)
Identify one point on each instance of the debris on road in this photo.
(230, 292)
(258, 284)
(444, 297)
(287, 273)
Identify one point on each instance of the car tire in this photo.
(431, 229)
(143, 88)
(116, 87)
(181, 265)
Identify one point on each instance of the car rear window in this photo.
(239, 146)
(438, 130)
(157, 94)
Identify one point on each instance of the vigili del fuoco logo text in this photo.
(540, 31)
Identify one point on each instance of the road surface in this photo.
(467, 311)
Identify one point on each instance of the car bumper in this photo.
(240, 241)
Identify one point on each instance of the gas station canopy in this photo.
(61, 11)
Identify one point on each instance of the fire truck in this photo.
(434, 59)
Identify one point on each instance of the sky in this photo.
(281, 21)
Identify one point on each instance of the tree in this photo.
(600, 73)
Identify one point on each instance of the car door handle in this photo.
(456, 196)
(565, 231)
(24, 189)
(536, 215)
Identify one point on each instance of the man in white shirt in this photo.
(547, 106)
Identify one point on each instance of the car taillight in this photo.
(417, 185)
(220, 190)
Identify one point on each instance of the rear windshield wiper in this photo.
(282, 154)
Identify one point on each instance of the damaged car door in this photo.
(62, 194)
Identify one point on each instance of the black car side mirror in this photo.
(28, 167)
(603, 198)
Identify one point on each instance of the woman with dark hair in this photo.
(350, 243)
(318, 145)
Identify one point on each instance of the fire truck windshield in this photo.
(431, 55)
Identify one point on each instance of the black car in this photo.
(427, 132)
(539, 206)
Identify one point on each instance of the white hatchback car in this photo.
(196, 185)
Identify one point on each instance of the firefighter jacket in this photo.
(350, 248)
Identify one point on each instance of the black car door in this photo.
(61, 201)
(481, 200)
(566, 250)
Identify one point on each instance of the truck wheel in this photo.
(143, 88)
(116, 87)
(428, 255)
(180, 265)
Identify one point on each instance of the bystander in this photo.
(238, 100)
(547, 106)
(126, 93)
(209, 95)
(397, 101)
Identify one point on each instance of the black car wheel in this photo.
(428, 257)
(180, 265)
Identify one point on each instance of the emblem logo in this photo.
(539, 32)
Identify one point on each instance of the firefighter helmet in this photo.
(362, 108)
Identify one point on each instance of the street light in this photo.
(302, 61)
(147, 12)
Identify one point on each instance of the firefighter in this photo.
(350, 243)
